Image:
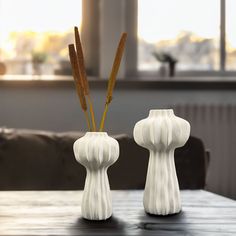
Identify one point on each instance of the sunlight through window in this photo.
(186, 31)
(34, 35)
(230, 35)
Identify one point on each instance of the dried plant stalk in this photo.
(80, 57)
(83, 75)
(112, 78)
(78, 83)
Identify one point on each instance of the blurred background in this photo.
(197, 35)
(180, 54)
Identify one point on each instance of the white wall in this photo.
(57, 108)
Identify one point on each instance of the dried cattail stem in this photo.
(83, 76)
(103, 118)
(92, 113)
(112, 78)
(78, 84)
(87, 120)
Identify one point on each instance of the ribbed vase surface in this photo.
(161, 132)
(96, 151)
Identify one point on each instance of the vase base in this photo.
(167, 214)
(96, 218)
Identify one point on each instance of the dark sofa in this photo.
(38, 160)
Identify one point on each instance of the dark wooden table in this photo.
(58, 213)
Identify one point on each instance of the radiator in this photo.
(216, 126)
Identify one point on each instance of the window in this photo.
(191, 32)
(34, 35)
(198, 34)
(230, 35)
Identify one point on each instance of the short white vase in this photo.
(96, 151)
(161, 132)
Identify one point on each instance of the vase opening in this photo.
(96, 134)
(158, 112)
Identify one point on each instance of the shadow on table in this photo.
(112, 224)
(169, 223)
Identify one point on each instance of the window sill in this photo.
(175, 83)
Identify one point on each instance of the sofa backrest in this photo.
(38, 160)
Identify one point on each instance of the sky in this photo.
(164, 19)
(39, 16)
(157, 19)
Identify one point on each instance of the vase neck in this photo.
(162, 152)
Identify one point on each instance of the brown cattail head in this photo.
(81, 63)
(76, 76)
(115, 67)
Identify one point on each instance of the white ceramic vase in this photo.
(161, 132)
(96, 151)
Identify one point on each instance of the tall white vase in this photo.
(161, 132)
(96, 151)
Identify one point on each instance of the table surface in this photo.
(59, 213)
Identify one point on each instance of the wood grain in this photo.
(58, 213)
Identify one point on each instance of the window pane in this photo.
(34, 35)
(231, 34)
(187, 30)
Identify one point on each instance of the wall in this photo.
(57, 107)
